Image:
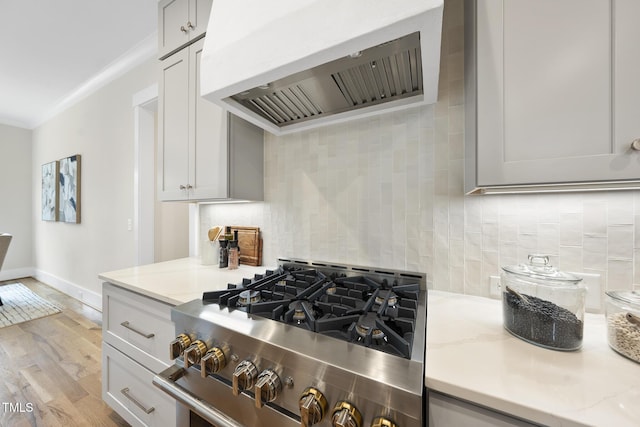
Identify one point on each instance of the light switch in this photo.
(494, 287)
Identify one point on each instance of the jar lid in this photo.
(540, 268)
(631, 297)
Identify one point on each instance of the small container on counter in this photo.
(622, 309)
(227, 234)
(234, 255)
(543, 305)
(211, 248)
(210, 252)
(223, 260)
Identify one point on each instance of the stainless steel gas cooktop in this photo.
(374, 311)
(308, 343)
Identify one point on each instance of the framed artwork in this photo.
(69, 189)
(50, 191)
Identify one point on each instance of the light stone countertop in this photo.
(178, 281)
(469, 354)
(472, 357)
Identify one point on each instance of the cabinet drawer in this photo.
(138, 326)
(127, 388)
(448, 411)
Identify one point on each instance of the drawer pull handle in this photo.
(131, 328)
(125, 391)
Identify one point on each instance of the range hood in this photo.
(291, 65)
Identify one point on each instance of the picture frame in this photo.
(50, 191)
(69, 185)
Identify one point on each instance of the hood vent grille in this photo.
(381, 79)
(376, 75)
(284, 106)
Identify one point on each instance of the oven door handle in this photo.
(166, 381)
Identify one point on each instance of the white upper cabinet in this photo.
(552, 93)
(181, 22)
(173, 127)
(204, 153)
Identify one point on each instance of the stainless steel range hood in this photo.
(290, 65)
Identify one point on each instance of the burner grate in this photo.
(359, 309)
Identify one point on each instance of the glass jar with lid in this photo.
(542, 305)
(622, 309)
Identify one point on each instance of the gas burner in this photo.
(389, 296)
(248, 297)
(331, 290)
(300, 314)
(367, 325)
(298, 311)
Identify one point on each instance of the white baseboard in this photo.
(16, 273)
(90, 298)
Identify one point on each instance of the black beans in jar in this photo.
(541, 322)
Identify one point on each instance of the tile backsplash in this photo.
(388, 191)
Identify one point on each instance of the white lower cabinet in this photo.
(136, 332)
(446, 411)
(127, 389)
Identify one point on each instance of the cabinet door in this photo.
(173, 16)
(181, 22)
(208, 164)
(554, 91)
(627, 85)
(173, 127)
(199, 11)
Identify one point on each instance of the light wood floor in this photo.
(53, 364)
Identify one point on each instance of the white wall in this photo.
(388, 191)
(16, 209)
(101, 129)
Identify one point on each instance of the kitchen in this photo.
(319, 205)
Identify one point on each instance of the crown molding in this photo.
(135, 56)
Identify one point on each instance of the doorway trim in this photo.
(145, 107)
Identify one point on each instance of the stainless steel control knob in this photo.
(212, 362)
(382, 422)
(194, 353)
(244, 376)
(346, 415)
(267, 387)
(313, 407)
(178, 346)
